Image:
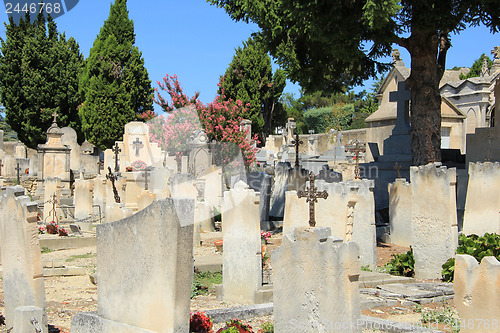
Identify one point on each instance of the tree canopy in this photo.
(115, 84)
(39, 72)
(476, 67)
(250, 79)
(326, 45)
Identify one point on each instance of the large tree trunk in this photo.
(426, 72)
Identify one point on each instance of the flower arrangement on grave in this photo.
(200, 323)
(139, 165)
(218, 245)
(129, 169)
(235, 324)
(62, 232)
(52, 228)
(265, 236)
(41, 229)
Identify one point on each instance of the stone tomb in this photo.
(483, 199)
(348, 211)
(242, 261)
(315, 283)
(153, 251)
(434, 228)
(22, 274)
(136, 146)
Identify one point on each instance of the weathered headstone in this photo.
(399, 219)
(281, 180)
(434, 227)
(153, 251)
(315, 283)
(84, 203)
(481, 214)
(264, 202)
(22, 274)
(69, 138)
(242, 267)
(476, 290)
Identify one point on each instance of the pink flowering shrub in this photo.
(138, 165)
(220, 120)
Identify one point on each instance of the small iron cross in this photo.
(397, 167)
(113, 178)
(357, 149)
(146, 175)
(18, 176)
(296, 142)
(137, 144)
(116, 150)
(311, 194)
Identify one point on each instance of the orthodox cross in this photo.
(18, 177)
(297, 142)
(311, 194)
(146, 177)
(112, 178)
(116, 150)
(137, 144)
(397, 167)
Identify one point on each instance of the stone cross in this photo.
(397, 167)
(112, 178)
(402, 97)
(296, 142)
(116, 150)
(55, 117)
(290, 125)
(137, 144)
(18, 176)
(496, 52)
(146, 175)
(311, 194)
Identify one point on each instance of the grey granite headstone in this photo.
(281, 180)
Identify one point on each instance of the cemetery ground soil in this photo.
(68, 295)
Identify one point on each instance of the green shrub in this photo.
(318, 119)
(402, 264)
(473, 245)
(267, 327)
(204, 282)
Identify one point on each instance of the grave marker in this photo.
(311, 194)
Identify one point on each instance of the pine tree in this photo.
(477, 66)
(115, 84)
(250, 78)
(38, 71)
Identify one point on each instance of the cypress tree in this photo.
(115, 84)
(38, 71)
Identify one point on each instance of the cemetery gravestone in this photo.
(153, 251)
(84, 203)
(281, 180)
(309, 299)
(22, 274)
(399, 205)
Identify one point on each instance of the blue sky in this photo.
(196, 41)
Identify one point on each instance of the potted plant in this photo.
(52, 228)
(218, 245)
(63, 232)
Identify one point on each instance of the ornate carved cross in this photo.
(397, 167)
(116, 150)
(18, 176)
(357, 148)
(137, 145)
(297, 142)
(311, 194)
(112, 178)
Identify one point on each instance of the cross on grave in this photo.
(18, 176)
(311, 194)
(116, 150)
(146, 175)
(357, 148)
(397, 167)
(137, 145)
(55, 117)
(112, 178)
(402, 97)
(296, 142)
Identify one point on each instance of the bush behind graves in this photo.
(473, 245)
(204, 282)
(402, 264)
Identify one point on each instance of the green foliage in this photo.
(204, 282)
(39, 72)
(476, 67)
(473, 245)
(8, 133)
(446, 315)
(318, 119)
(46, 250)
(366, 268)
(231, 329)
(401, 264)
(250, 78)
(267, 327)
(115, 84)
